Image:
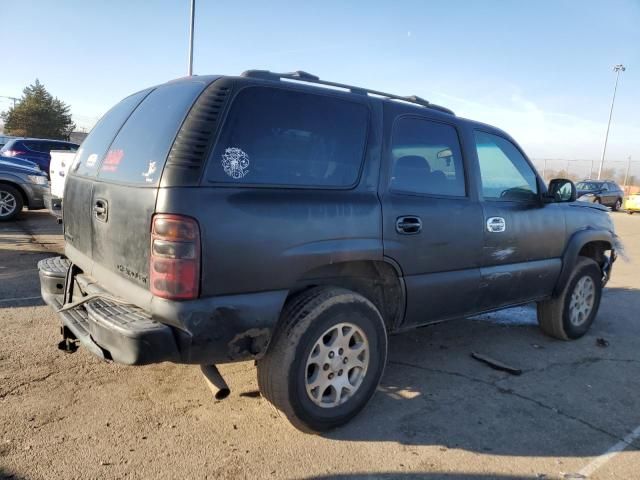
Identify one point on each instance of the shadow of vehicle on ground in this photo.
(573, 399)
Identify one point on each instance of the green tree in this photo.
(39, 114)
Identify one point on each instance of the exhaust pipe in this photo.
(216, 383)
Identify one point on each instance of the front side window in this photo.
(426, 158)
(273, 136)
(505, 173)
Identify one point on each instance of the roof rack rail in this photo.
(308, 77)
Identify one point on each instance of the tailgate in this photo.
(111, 194)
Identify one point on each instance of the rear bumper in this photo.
(205, 331)
(53, 204)
(35, 195)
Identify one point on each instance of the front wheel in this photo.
(570, 315)
(10, 203)
(326, 358)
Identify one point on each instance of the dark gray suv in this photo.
(217, 219)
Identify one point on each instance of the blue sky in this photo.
(539, 69)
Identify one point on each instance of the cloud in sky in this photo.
(548, 134)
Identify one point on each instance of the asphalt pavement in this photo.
(573, 413)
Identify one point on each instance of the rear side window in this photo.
(140, 149)
(426, 158)
(281, 137)
(95, 146)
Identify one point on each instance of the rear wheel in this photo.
(326, 358)
(570, 315)
(10, 203)
(617, 205)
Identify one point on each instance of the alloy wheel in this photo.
(7, 203)
(337, 365)
(582, 301)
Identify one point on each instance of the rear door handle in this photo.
(409, 225)
(100, 210)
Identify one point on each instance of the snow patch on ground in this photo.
(524, 315)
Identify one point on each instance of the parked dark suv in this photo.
(36, 150)
(218, 219)
(604, 192)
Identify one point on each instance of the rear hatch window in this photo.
(94, 147)
(140, 149)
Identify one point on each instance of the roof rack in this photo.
(308, 77)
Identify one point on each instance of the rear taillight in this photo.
(13, 153)
(175, 257)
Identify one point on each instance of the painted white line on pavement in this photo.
(18, 299)
(609, 454)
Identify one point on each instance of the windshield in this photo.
(588, 186)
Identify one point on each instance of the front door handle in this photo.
(496, 225)
(409, 225)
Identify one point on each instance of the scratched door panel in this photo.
(522, 262)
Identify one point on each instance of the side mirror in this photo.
(561, 190)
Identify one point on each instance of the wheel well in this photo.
(595, 251)
(375, 280)
(25, 200)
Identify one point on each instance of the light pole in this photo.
(617, 68)
(193, 12)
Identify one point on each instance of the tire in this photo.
(617, 205)
(555, 314)
(11, 203)
(630, 212)
(315, 317)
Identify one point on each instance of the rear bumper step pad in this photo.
(110, 330)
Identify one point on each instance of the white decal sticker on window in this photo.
(148, 175)
(235, 162)
(91, 159)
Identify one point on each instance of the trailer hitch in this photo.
(69, 343)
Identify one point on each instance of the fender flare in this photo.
(572, 251)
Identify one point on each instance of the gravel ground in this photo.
(438, 412)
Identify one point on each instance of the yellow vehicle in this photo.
(632, 203)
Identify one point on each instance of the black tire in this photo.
(617, 205)
(554, 315)
(283, 372)
(11, 202)
(630, 212)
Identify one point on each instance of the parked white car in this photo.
(61, 161)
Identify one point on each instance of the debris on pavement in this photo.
(496, 364)
(601, 342)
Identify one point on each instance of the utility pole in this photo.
(11, 98)
(617, 68)
(193, 12)
(544, 170)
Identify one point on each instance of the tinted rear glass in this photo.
(89, 156)
(281, 137)
(140, 149)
